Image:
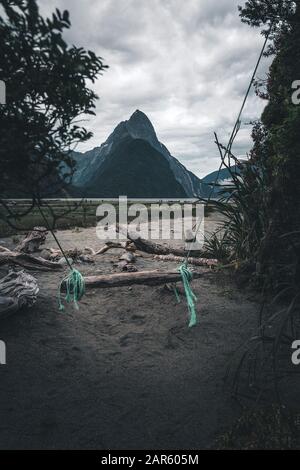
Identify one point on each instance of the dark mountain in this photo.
(217, 181)
(134, 168)
(223, 177)
(133, 162)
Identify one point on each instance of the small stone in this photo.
(128, 257)
(46, 254)
(130, 268)
(86, 259)
(63, 261)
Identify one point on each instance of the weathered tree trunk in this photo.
(4, 249)
(154, 248)
(192, 261)
(28, 261)
(128, 279)
(33, 240)
(111, 245)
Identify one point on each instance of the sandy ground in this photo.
(125, 371)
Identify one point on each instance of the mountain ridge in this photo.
(91, 180)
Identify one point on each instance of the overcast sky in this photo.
(185, 63)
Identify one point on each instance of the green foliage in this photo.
(279, 13)
(47, 94)
(260, 12)
(244, 215)
(216, 246)
(262, 213)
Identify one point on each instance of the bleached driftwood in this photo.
(17, 290)
(127, 245)
(33, 240)
(76, 253)
(192, 261)
(152, 248)
(4, 249)
(89, 251)
(73, 254)
(56, 254)
(129, 279)
(28, 261)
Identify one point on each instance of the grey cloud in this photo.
(186, 64)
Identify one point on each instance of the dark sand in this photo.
(125, 371)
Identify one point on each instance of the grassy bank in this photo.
(61, 214)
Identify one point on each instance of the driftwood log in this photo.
(33, 240)
(27, 261)
(17, 290)
(151, 278)
(192, 261)
(157, 249)
(127, 245)
(55, 254)
(4, 249)
(154, 248)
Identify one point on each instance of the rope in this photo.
(74, 282)
(187, 277)
(75, 289)
(54, 236)
(235, 130)
(238, 121)
(183, 269)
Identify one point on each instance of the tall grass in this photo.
(257, 243)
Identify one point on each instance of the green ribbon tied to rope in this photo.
(187, 277)
(74, 286)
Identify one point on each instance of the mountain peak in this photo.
(139, 115)
(129, 138)
(139, 126)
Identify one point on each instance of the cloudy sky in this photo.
(186, 64)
